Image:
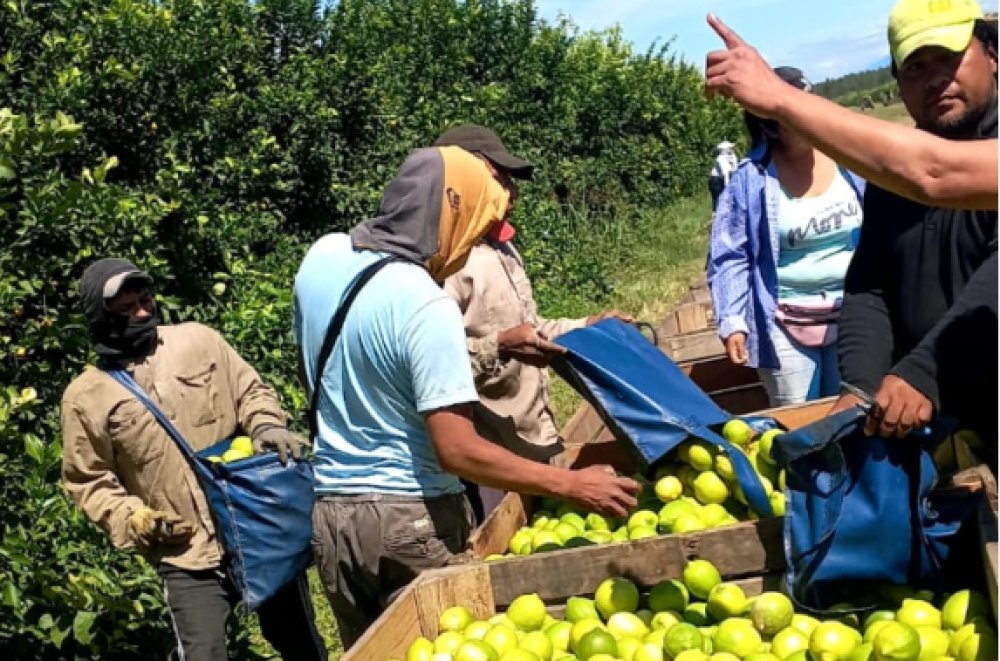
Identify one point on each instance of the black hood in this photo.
(115, 337)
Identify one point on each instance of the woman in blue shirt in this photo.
(783, 237)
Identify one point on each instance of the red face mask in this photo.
(502, 232)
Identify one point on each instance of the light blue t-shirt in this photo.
(402, 353)
(818, 236)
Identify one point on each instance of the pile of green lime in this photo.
(700, 617)
(693, 488)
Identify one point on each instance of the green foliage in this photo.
(211, 141)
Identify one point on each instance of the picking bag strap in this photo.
(333, 333)
(125, 379)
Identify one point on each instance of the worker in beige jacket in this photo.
(509, 343)
(130, 478)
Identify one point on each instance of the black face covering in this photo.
(115, 336)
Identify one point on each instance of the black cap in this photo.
(481, 140)
(795, 78)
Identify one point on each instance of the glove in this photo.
(280, 440)
(150, 527)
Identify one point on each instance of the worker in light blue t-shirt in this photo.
(395, 430)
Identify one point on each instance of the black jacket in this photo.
(921, 302)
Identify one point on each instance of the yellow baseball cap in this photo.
(914, 24)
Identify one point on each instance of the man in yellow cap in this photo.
(918, 326)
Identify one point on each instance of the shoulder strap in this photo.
(333, 332)
(123, 377)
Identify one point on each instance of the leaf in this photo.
(7, 171)
(82, 623)
(46, 621)
(34, 447)
(11, 595)
(58, 635)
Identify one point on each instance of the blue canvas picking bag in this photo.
(647, 402)
(860, 512)
(262, 510)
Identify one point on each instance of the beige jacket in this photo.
(117, 458)
(494, 294)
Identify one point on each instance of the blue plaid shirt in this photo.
(743, 255)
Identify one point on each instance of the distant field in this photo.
(894, 113)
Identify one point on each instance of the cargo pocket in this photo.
(200, 395)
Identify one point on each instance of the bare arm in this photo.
(461, 451)
(904, 160)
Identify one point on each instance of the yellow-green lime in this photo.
(623, 624)
(737, 432)
(664, 620)
(594, 642)
(710, 488)
(642, 532)
(713, 515)
(566, 531)
(456, 618)
(655, 636)
(559, 633)
(879, 616)
(701, 457)
(627, 647)
(777, 500)
(545, 540)
(788, 641)
(771, 613)
(766, 445)
(649, 652)
(539, 643)
(597, 522)
(726, 600)
(646, 615)
(441, 657)
(420, 650)
(643, 519)
(669, 489)
(962, 607)
(833, 641)
(477, 630)
(575, 520)
(691, 655)
(682, 637)
(873, 630)
(527, 612)
(723, 656)
(477, 650)
(520, 542)
(805, 623)
(723, 466)
(599, 536)
(518, 654)
(669, 595)
(863, 652)
(897, 641)
(581, 629)
(448, 642)
(736, 636)
(979, 647)
(502, 638)
(686, 523)
(918, 613)
(616, 595)
(933, 643)
(761, 656)
(700, 576)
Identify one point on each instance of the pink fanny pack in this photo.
(810, 325)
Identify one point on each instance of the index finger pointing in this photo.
(728, 36)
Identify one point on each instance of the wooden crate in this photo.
(515, 510)
(750, 555)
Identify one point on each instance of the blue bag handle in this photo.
(125, 379)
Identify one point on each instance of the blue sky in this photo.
(825, 38)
